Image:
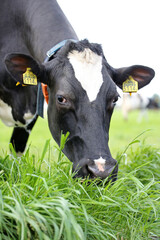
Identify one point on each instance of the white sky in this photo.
(129, 31)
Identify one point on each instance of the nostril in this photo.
(93, 172)
(111, 169)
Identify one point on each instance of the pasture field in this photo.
(121, 132)
(40, 199)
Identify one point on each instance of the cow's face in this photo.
(82, 96)
(81, 100)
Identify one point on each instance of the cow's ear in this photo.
(142, 74)
(17, 64)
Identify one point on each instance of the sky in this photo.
(128, 30)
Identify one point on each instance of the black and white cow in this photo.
(81, 84)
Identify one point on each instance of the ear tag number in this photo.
(29, 78)
(130, 85)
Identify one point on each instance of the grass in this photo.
(122, 132)
(39, 199)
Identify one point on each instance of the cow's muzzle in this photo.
(97, 168)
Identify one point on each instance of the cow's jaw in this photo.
(87, 67)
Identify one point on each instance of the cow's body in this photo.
(81, 84)
(28, 27)
(134, 102)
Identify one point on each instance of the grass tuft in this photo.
(39, 199)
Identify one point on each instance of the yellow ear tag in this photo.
(130, 85)
(29, 78)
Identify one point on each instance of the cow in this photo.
(81, 84)
(134, 102)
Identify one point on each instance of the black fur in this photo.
(30, 28)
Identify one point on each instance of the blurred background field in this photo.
(121, 132)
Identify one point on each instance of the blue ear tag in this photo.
(40, 101)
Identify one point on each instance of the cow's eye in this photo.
(115, 100)
(61, 99)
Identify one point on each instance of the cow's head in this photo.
(82, 95)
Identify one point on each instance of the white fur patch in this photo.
(100, 163)
(7, 117)
(6, 114)
(28, 117)
(87, 66)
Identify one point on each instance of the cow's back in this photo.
(12, 28)
(30, 27)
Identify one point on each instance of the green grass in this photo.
(122, 132)
(40, 199)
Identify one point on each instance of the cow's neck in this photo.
(47, 26)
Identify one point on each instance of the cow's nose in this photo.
(101, 168)
(98, 168)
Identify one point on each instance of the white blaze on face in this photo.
(87, 66)
(100, 163)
